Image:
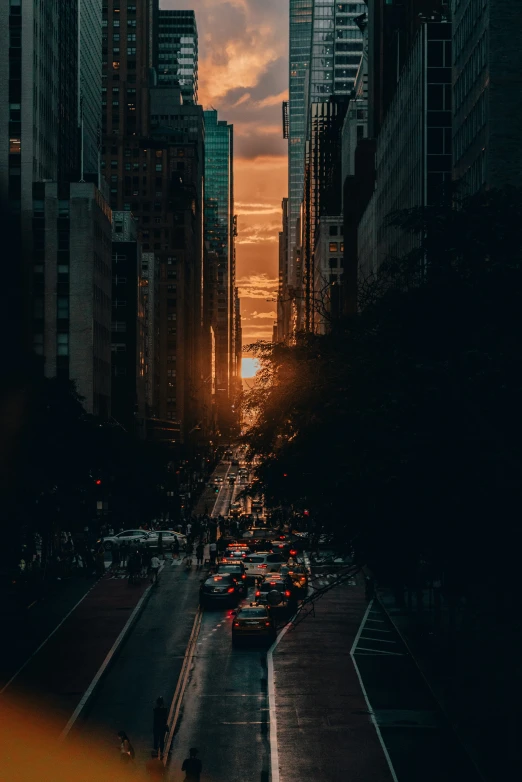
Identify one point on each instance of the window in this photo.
(62, 345)
(131, 37)
(333, 247)
(119, 326)
(171, 373)
(333, 263)
(62, 307)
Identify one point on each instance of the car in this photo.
(276, 591)
(262, 562)
(167, 538)
(133, 537)
(242, 471)
(231, 478)
(234, 568)
(218, 479)
(218, 589)
(299, 578)
(236, 551)
(253, 621)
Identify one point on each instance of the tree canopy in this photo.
(400, 430)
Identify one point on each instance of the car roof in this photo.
(255, 607)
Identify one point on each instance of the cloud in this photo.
(257, 286)
(253, 233)
(271, 315)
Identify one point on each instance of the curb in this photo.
(431, 690)
(91, 689)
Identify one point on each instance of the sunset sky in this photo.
(243, 73)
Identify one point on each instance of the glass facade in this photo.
(90, 79)
(300, 39)
(219, 236)
(178, 53)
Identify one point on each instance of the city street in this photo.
(365, 712)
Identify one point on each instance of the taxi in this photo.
(236, 551)
(299, 577)
(253, 621)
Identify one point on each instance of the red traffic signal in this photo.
(97, 482)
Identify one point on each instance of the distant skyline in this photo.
(243, 72)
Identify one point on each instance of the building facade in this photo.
(487, 77)
(328, 272)
(178, 53)
(413, 150)
(72, 288)
(220, 230)
(128, 340)
(299, 60)
(149, 281)
(89, 83)
(284, 298)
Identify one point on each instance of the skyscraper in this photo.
(487, 79)
(300, 41)
(89, 82)
(178, 53)
(219, 236)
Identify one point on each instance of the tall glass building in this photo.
(178, 52)
(300, 40)
(89, 80)
(219, 237)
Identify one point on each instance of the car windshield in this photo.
(254, 559)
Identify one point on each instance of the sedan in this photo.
(253, 621)
(167, 536)
(128, 536)
(233, 568)
(219, 479)
(219, 589)
(261, 563)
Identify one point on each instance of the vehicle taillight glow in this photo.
(293, 552)
(244, 575)
(261, 566)
(230, 589)
(236, 624)
(288, 593)
(267, 624)
(258, 593)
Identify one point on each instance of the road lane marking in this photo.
(379, 640)
(370, 710)
(182, 683)
(381, 621)
(377, 651)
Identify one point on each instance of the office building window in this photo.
(62, 344)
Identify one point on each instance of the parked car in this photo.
(253, 621)
(128, 536)
(219, 589)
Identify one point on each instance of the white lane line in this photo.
(370, 710)
(380, 640)
(381, 621)
(274, 747)
(377, 651)
(13, 677)
(377, 630)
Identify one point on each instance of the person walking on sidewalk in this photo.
(126, 749)
(160, 727)
(213, 553)
(200, 549)
(175, 548)
(192, 766)
(154, 568)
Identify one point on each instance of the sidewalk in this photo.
(324, 730)
(58, 675)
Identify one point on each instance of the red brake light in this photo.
(258, 593)
(281, 537)
(236, 624)
(293, 552)
(288, 593)
(262, 566)
(230, 589)
(267, 624)
(244, 575)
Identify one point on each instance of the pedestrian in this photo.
(192, 767)
(199, 554)
(100, 561)
(124, 550)
(175, 547)
(160, 716)
(154, 567)
(126, 749)
(213, 552)
(189, 530)
(146, 558)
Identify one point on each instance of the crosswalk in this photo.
(328, 578)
